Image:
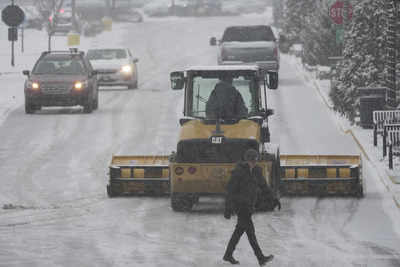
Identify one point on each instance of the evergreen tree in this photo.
(296, 13)
(319, 36)
(278, 12)
(364, 55)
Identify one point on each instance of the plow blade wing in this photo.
(327, 175)
(138, 175)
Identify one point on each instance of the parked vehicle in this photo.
(254, 44)
(115, 67)
(61, 78)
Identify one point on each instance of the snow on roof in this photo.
(223, 68)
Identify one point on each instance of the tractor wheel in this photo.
(181, 202)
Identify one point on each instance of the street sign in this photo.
(339, 35)
(12, 15)
(73, 39)
(337, 12)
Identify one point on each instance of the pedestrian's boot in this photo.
(231, 259)
(264, 259)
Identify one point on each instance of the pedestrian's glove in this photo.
(277, 203)
(227, 214)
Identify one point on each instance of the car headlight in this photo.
(127, 69)
(79, 85)
(33, 85)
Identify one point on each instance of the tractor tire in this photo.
(182, 202)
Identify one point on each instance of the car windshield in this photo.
(106, 54)
(248, 34)
(203, 85)
(60, 65)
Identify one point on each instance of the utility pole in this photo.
(73, 7)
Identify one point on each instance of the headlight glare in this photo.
(78, 85)
(126, 69)
(35, 85)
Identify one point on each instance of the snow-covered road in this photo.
(54, 165)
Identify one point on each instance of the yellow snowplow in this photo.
(138, 175)
(321, 175)
(209, 147)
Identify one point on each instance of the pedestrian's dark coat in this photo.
(244, 188)
(225, 102)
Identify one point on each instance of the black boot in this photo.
(230, 259)
(264, 259)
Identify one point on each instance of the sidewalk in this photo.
(363, 137)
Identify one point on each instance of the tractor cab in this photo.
(201, 82)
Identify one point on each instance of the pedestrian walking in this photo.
(245, 184)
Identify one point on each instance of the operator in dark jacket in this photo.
(243, 189)
(225, 101)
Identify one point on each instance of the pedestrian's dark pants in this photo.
(244, 224)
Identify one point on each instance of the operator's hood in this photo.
(197, 129)
(53, 78)
(108, 64)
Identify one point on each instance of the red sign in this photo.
(337, 12)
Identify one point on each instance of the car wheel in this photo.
(133, 85)
(88, 106)
(96, 100)
(29, 107)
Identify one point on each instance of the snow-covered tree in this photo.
(364, 55)
(319, 36)
(278, 12)
(295, 14)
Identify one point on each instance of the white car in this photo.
(115, 67)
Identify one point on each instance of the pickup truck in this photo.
(249, 45)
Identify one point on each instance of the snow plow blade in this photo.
(327, 175)
(138, 175)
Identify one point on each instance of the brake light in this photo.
(61, 11)
(179, 170)
(275, 52)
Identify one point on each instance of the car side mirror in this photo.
(269, 112)
(177, 80)
(26, 72)
(94, 72)
(213, 41)
(135, 60)
(272, 80)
